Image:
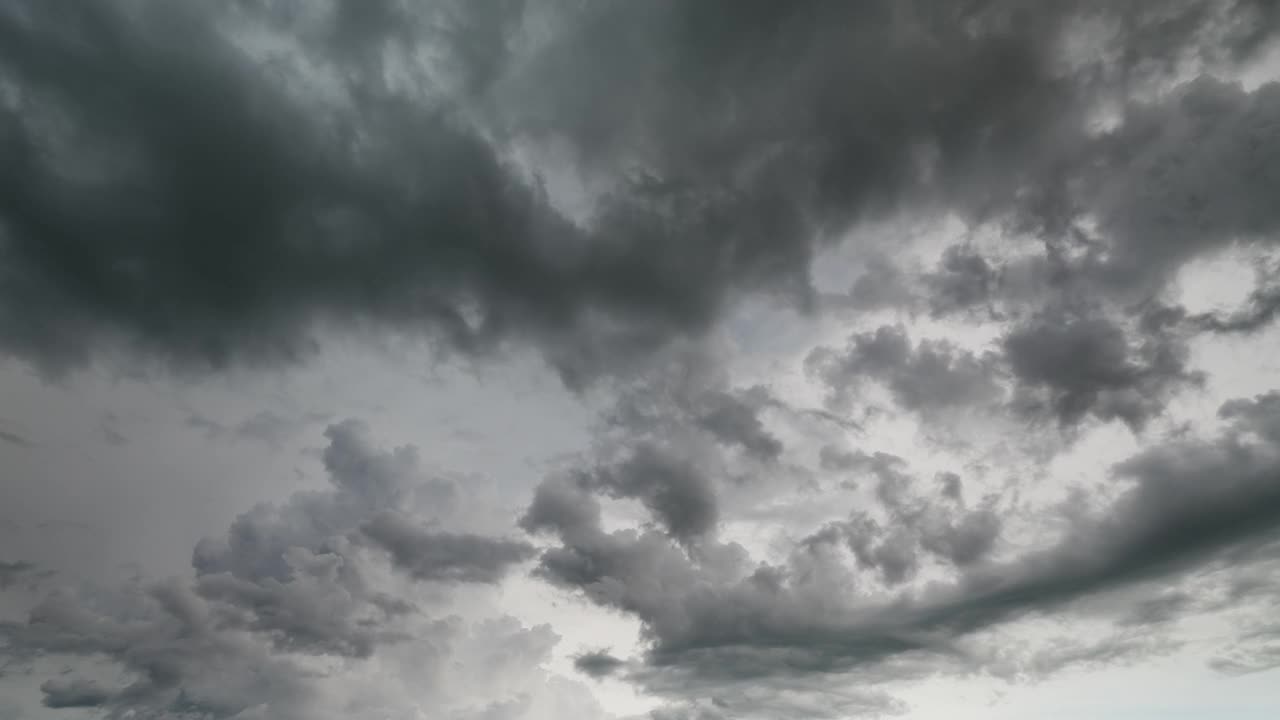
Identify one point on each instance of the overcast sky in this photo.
(639, 360)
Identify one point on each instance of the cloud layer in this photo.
(855, 290)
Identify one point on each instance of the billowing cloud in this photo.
(292, 616)
(1072, 366)
(854, 290)
(176, 198)
(934, 375)
(1190, 504)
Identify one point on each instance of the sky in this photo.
(621, 360)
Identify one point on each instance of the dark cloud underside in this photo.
(166, 190)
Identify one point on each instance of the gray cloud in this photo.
(715, 615)
(167, 639)
(1063, 364)
(1189, 173)
(736, 422)
(964, 280)
(1258, 312)
(914, 524)
(597, 664)
(290, 590)
(1257, 650)
(195, 188)
(881, 284)
(933, 375)
(679, 495)
(14, 571)
(242, 210)
(14, 438)
(74, 693)
(443, 556)
(1073, 366)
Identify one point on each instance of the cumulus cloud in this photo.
(934, 375)
(1057, 363)
(290, 615)
(713, 611)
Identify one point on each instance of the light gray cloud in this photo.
(266, 427)
(290, 588)
(709, 611)
(734, 421)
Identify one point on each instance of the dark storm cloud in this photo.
(169, 192)
(443, 556)
(597, 664)
(188, 204)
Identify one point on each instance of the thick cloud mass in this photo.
(857, 293)
(209, 184)
(713, 615)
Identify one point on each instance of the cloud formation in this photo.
(176, 198)
(290, 589)
(702, 216)
(710, 610)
